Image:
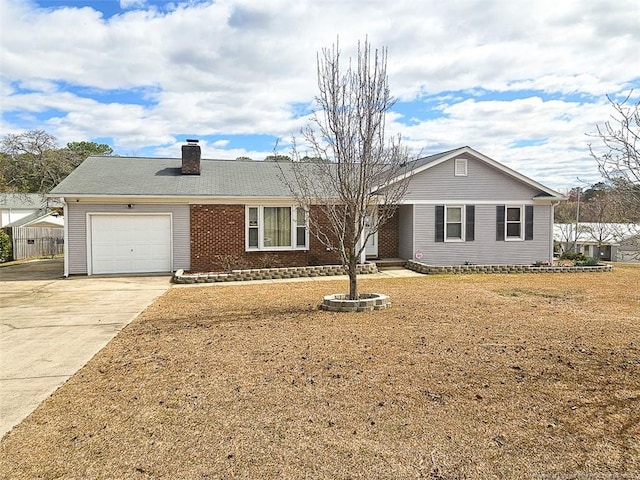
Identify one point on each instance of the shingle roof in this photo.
(596, 232)
(158, 177)
(115, 176)
(163, 177)
(37, 217)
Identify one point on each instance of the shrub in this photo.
(314, 260)
(5, 247)
(268, 261)
(586, 262)
(575, 256)
(231, 262)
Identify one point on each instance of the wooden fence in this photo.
(36, 242)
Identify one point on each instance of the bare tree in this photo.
(32, 162)
(29, 161)
(620, 161)
(354, 175)
(567, 234)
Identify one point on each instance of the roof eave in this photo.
(114, 198)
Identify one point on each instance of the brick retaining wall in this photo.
(269, 273)
(461, 269)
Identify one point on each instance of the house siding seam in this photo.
(218, 243)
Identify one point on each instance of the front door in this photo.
(371, 247)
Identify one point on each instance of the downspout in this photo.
(553, 215)
(65, 213)
(575, 242)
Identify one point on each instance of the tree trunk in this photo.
(353, 278)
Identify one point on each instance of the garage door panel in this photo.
(130, 243)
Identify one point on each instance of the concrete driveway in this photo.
(51, 326)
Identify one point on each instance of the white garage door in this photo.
(130, 243)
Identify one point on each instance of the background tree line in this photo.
(32, 162)
(602, 202)
(617, 153)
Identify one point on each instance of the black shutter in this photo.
(500, 210)
(439, 223)
(528, 222)
(470, 223)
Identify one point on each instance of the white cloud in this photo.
(127, 4)
(240, 67)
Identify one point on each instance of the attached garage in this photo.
(129, 243)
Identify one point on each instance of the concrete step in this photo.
(389, 263)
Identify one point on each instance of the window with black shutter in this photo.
(500, 222)
(470, 223)
(528, 222)
(439, 223)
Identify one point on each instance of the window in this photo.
(276, 228)
(301, 228)
(460, 167)
(513, 223)
(453, 224)
(252, 227)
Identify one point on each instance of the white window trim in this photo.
(460, 167)
(507, 238)
(462, 220)
(293, 229)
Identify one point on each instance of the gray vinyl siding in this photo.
(485, 249)
(482, 182)
(77, 231)
(405, 225)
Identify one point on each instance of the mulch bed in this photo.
(473, 376)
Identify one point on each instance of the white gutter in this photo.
(551, 230)
(65, 213)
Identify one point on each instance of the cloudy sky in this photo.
(522, 82)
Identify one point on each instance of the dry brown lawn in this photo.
(478, 376)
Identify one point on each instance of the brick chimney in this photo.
(191, 158)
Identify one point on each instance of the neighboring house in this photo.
(42, 218)
(16, 206)
(614, 242)
(34, 223)
(158, 215)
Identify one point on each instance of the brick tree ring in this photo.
(339, 302)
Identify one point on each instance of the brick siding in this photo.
(388, 238)
(218, 243)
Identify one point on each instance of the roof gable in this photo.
(424, 164)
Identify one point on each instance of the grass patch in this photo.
(474, 376)
(541, 293)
